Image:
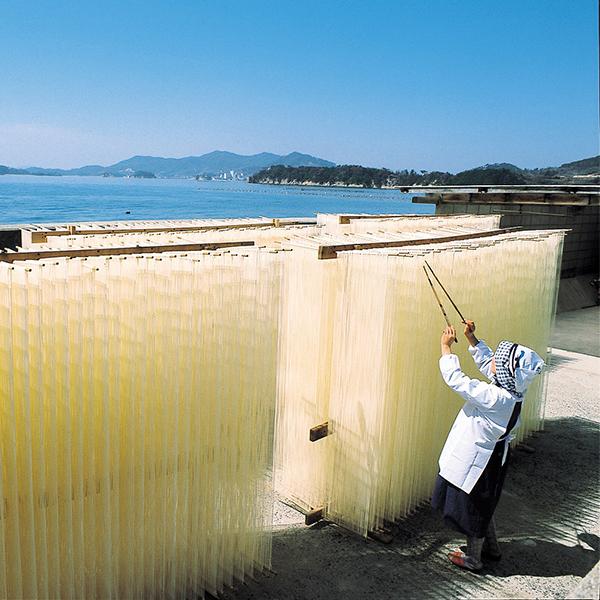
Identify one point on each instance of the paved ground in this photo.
(547, 518)
(578, 331)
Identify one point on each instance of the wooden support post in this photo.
(320, 431)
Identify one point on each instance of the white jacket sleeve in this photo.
(481, 394)
(482, 355)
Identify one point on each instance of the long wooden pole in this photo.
(438, 300)
(445, 292)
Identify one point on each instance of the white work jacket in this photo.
(479, 425)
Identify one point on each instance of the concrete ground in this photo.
(547, 518)
(578, 331)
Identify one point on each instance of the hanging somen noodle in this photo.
(310, 292)
(136, 425)
(137, 411)
(389, 409)
(358, 353)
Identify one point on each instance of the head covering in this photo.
(516, 366)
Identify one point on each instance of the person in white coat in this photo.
(474, 459)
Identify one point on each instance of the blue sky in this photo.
(431, 84)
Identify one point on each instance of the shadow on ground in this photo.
(557, 360)
(546, 522)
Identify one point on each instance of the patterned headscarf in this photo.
(505, 366)
(516, 367)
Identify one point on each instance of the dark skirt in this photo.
(471, 513)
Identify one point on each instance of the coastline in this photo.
(326, 185)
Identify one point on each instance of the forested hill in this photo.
(580, 172)
(354, 175)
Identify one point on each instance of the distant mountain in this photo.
(214, 164)
(4, 170)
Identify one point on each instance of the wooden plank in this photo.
(319, 432)
(42, 236)
(313, 516)
(114, 251)
(328, 252)
(383, 536)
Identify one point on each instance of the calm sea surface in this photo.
(31, 199)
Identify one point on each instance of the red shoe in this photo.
(460, 559)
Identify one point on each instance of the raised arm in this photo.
(479, 350)
(470, 333)
(482, 394)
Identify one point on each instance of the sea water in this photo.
(41, 199)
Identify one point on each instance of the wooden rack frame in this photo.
(328, 252)
(11, 257)
(38, 237)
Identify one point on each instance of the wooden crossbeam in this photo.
(11, 257)
(327, 252)
(38, 237)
